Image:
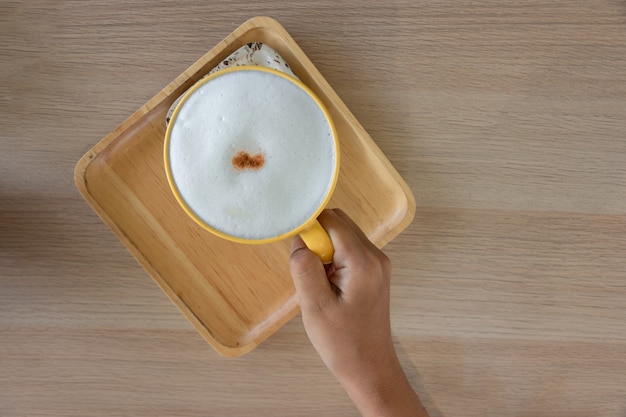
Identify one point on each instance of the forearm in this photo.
(383, 393)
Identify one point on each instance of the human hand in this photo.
(345, 310)
(345, 306)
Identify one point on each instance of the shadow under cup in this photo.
(252, 155)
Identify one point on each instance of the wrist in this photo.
(382, 390)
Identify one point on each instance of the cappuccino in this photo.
(251, 154)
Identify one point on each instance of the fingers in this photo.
(357, 261)
(309, 277)
(360, 234)
(349, 241)
(355, 257)
(341, 233)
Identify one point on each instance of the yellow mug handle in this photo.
(317, 240)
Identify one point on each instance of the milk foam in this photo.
(258, 113)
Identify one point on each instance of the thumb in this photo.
(309, 276)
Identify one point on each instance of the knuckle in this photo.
(385, 262)
(378, 266)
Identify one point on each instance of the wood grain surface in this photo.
(506, 119)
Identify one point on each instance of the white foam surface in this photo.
(254, 112)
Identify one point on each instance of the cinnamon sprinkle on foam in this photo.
(243, 160)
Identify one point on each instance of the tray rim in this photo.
(291, 308)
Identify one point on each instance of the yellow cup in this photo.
(311, 231)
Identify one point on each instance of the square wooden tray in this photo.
(235, 295)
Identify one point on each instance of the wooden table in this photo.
(507, 120)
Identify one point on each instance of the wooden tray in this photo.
(235, 295)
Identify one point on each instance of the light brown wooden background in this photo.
(506, 118)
